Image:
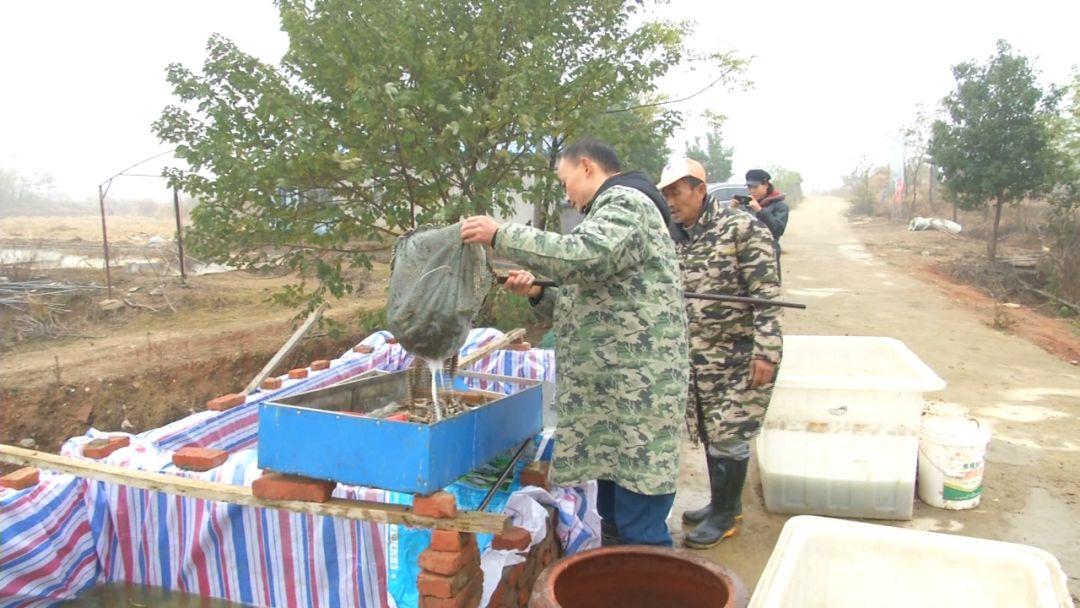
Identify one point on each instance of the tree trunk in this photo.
(930, 189)
(999, 202)
(542, 207)
(914, 192)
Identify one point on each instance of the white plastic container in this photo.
(833, 563)
(952, 453)
(841, 435)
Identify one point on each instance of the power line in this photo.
(722, 76)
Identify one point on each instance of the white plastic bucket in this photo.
(952, 456)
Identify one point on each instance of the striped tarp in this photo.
(67, 534)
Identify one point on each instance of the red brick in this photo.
(224, 402)
(498, 597)
(449, 562)
(438, 585)
(439, 504)
(449, 540)
(512, 539)
(535, 474)
(319, 364)
(298, 373)
(20, 479)
(271, 384)
(199, 459)
(103, 446)
(468, 598)
(277, 486)
(521, 346)
(363, 349)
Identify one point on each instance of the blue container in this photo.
(318, 434)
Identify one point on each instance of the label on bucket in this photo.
(965, 486)
(949, 492)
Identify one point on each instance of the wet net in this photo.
(437, 285)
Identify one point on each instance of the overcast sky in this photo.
(833, 81)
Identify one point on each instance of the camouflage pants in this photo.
(722, 407)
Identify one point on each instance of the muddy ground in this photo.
(134, 369)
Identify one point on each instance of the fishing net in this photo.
(437, 285)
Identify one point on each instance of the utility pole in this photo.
(179, 233)
(105, 239)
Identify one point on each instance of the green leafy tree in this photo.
(1065, 194)
(386, 114)
(713, 154)
(916, 138)
(1062, 230)
(994, 147)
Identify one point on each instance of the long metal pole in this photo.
(179, 233)
(105, 239)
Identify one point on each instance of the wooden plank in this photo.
(488, 347)
(500, 378)
(466, 521)
(286, 348)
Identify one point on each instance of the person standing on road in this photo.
(620, 338)
(734, 348)
(767, 204)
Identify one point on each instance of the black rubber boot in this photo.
(697, 516)
(720, 524)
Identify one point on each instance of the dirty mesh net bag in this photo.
(437, 285)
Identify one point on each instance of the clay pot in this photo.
(637, 577)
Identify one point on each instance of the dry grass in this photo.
(122, 228)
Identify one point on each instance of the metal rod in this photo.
(697, 296)
(502, 478)
(105, 239)
(179, 233)
(743, 300)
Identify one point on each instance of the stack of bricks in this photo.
(517, 582)
(450, 575)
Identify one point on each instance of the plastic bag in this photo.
(437, 285)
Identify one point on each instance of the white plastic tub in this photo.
(841, 435)
(820, 562)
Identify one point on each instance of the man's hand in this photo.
(754, 205)
(478, 229)
(520, 283)
(761, 373)
(734, 203)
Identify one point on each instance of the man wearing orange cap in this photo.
(734, 348)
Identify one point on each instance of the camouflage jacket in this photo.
(729, 252)
(620, 341)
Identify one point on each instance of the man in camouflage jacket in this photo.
(734, 348)
(620, 346)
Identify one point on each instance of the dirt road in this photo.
(1030, 398)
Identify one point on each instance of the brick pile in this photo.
(517, 581)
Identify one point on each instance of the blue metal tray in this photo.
(318, 434)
